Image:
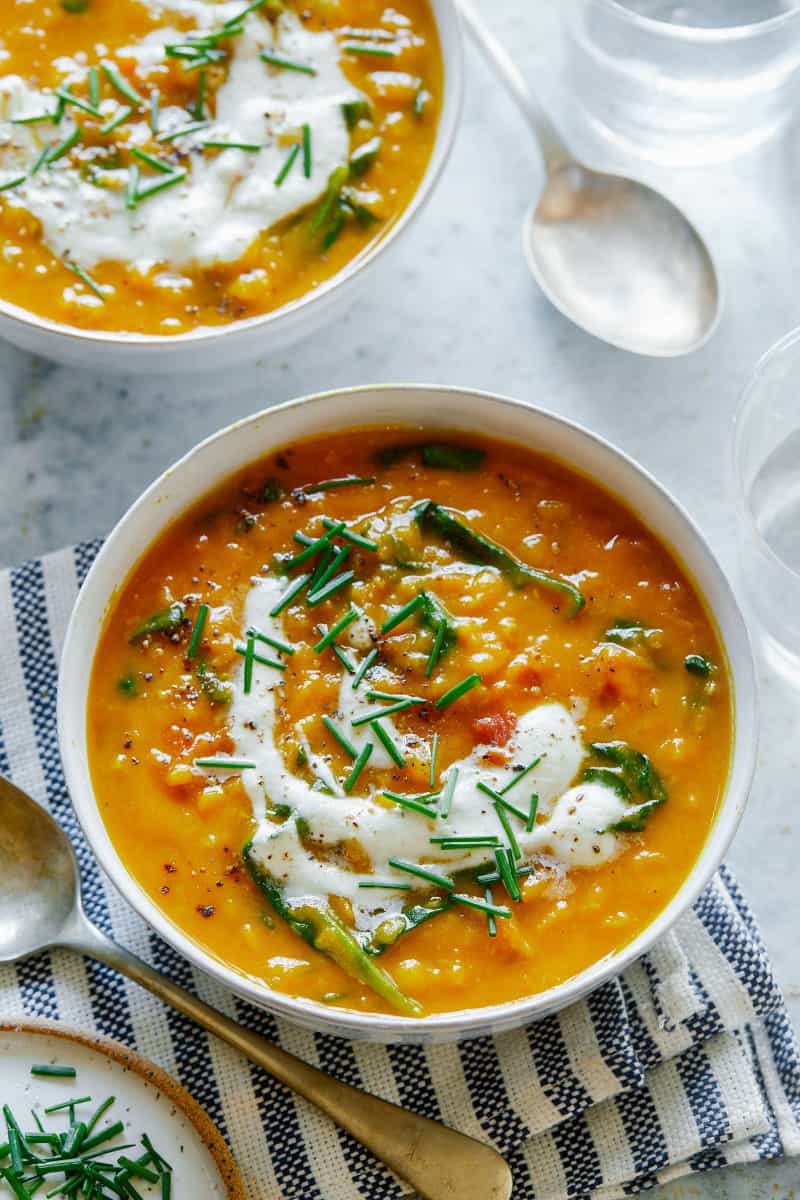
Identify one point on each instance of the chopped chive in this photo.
(491, 924)
(376, 883)
(151, 160)
(520, 775)
(94, 86)
(288, 64)
(67, 1104)
(350, 535)
(447, 794)
(330, 588)
(484, 906)
(183, 131)
(197, 632)
(287, 166)
(369, 35)
(40, 161)
(494, 877)
(509, 831)
(358, 767)
(71, 1144)
(34, 119)
(329, 485)
(392, 696)
(66, 95)
(160, 185)
(364, 666)
(436, 652)
(250, 147)
(199, 110)
(531, 821)
(12, 183)
(12, 1179)
(261, 658)
(225, 764)
(307, 151)
(451, 843)
(336, 629)
(341, 738)
(383, 736)
(410, 803)
(498, 798)
(294, 588)
(456, 692)
(330, 569)
(366, 48)
(248, 665)
(120, 83)
(434, 752)
(155, 111)
(132, 189)
(104, 1135)
(244, 13)
(138, 1168)
(312, 547)
(421, 796)
(85, 278)
(400, 614)
(276, 643)
(420, 101)
(57, 152)
(422, 873)
(118, 119)
(376, 714)
(55, 1072)
(99, 1112)
(340, 654)
(505, 868)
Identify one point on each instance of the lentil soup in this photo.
(167, 165)
(409, 725)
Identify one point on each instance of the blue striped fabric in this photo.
(685, 1063)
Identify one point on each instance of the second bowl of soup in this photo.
(402, 729)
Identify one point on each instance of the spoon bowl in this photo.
(40, 907)
(621, 260)
(39, 884)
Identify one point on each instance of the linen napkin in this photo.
(684, 1063)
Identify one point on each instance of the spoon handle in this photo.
(550, 141)
(437, 1162)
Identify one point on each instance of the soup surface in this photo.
(409, 725)
(171, 164)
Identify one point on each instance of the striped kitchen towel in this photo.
(685, 1063)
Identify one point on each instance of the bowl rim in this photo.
(465, 1022)
(451, 43)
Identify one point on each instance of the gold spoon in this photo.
(40, 907)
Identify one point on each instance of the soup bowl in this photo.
(245, 340)
(437, 409)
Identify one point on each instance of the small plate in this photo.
(147, 1101)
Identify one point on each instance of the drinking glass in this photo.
(683, 82)
(766, 485)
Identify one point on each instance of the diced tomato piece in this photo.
(494, 729)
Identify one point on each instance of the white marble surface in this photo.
(76, 448)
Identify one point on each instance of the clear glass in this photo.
(690, 82)
(766, 484)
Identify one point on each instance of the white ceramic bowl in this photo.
(241, 341)
(435, 408)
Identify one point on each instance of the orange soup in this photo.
(172, 164)
(409, 725)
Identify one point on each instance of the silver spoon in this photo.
(40, 907)
(613, 255)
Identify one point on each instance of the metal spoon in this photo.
(40, 907)
(613, 255)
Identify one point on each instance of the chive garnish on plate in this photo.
(260, 658)
(434, 752)
(12, 183)
(118, 119)
(329, 485)
(225, 764)
(330, 588)
(293, 590)
(155, 110)
(249, 658)
(276, 643)
(307, 151)
(379, 883)
(531, 821)
(53, 1071)
(54, 153)
(157, 163)
(411, 803)
(66, 95)
(250, 147)
(484, 906)
(366, 48)
(391, 697)
(350, 535)
(121, 84)
(288, 64)
(520, 775)
(498, 798)
(400, 614)
(183, 131)
(448, 793)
